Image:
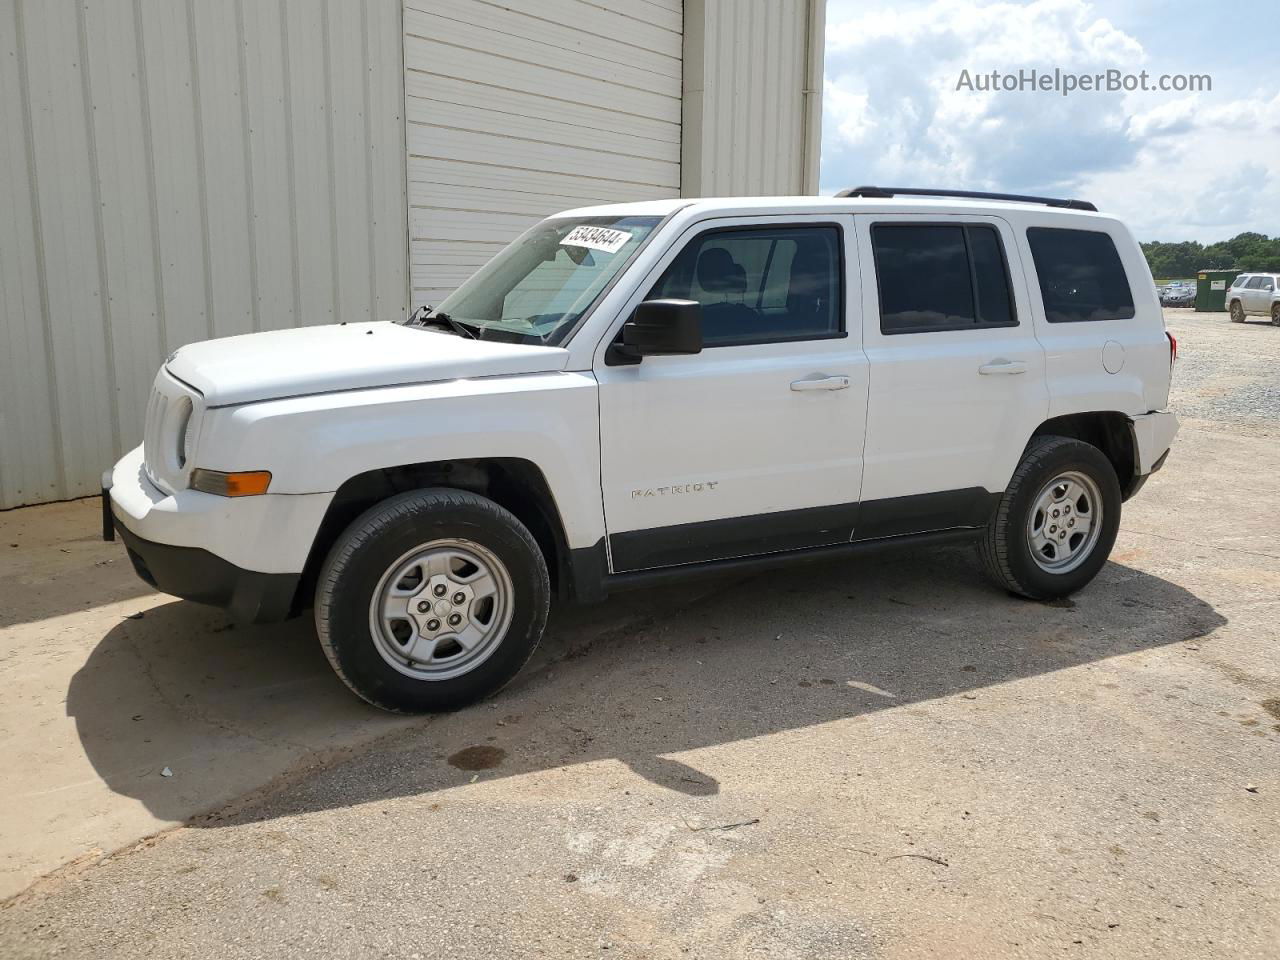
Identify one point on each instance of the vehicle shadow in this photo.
(636, 680)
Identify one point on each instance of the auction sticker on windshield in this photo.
(597, 238)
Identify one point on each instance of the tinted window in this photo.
(1241, 281)
(991, 277)
(1268, 283)
(936, 277)
(1255, 283)
(760, 285)
(1081, 277)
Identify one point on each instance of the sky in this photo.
(1174, 166)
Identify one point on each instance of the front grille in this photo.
(169, 434)
(151, 434)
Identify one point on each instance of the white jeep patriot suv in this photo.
(635, 393)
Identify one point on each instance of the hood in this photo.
(352, 356)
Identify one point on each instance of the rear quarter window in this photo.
(1081, 276)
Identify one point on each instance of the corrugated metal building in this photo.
(175, 170)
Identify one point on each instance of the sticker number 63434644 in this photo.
(597, 238)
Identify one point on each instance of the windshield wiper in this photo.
(457, 326)
(446, 322)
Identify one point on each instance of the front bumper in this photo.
(245, 554)
(194, 574)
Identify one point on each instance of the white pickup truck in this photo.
(643, 392)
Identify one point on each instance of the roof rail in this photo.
(884, 192)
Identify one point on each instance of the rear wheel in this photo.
(431, 600)
(1056, 522)
(1237, 312)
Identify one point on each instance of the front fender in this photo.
(314, 444)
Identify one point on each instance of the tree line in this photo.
(1244, 252)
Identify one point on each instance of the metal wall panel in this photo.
(752, 97)
(179, 169)
(519, 108)
(173, 170)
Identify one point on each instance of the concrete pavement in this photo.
(107, 684)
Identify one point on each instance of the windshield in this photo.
(537, 288)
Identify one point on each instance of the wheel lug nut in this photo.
(433, 625)
(454, 620)
(439, 589)
(1053, 528)
(423, 606)
(459, 597)
(1055, 513)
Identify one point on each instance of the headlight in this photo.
(188, 441)
(246, 484)
(181, 413)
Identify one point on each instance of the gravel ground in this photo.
(882, 758)
(1229, 373)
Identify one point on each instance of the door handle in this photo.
(1003, 366)
(821, 383)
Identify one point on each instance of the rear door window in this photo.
(1081, 276)
(941, 277)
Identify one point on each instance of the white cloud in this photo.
(1166, 119)
(893, 116)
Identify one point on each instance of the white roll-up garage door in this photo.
(519, 108)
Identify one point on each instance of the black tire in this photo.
(1237, 312)
(366, 551)
(1275, 314)
(1005, 546)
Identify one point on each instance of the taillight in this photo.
(1173, 347)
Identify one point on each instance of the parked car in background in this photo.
(635, 394)
(1178, 295)
(1254, 294)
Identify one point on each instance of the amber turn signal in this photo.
(249, 484)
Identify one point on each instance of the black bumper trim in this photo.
(194, 574)
(108, 518)
(1139, 480)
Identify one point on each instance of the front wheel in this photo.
(1237, 312)
(431, 600)
(1275, 314)
(1056, 522)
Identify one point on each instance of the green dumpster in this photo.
(1211, 289)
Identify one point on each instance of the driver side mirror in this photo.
(658, 328)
